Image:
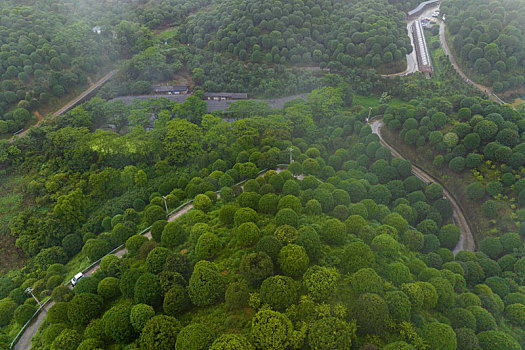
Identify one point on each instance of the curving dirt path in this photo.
(466, 239)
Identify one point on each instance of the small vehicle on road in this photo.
(76, 278)
(435, 14)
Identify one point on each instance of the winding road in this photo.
(452, 59)
(24, 342)
(466, 239)
(75, 101)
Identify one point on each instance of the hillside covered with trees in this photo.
(488, 38)
(316, 33)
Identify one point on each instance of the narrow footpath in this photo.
(466, 239)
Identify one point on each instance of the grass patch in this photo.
(78, 263)
(373, 101)
(168, 33)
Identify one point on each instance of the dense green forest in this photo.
(325, 33)
(488, 38)
(344, 248)
(345, 239)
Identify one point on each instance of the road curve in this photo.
(466, 239)
(446, 50)
(24, 342)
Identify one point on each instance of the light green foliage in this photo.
(286, 234)
(320, 282)
(231, 342)
(293, 260)
(67, 339)
(207, 246)
(331, 333)
(195, 336)
(272, 330)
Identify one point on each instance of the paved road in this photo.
(452, 59)
(73, 102)
(466, 239)
(24, 342)
(412, 66)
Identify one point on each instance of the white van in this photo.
(77, 277)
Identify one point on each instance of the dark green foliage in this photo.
(134, 243)
(52, 332)
(117, 324)
(492, 247)
(286, 234)
(497, 340)
(439, 336)
(309, 239)
(227, 213)
(128, 280)
(195, 336)
(207, 246)
(331, 333)
(173, 235)
(108, 288)
(95, 248)
(140, 315)
(243, 215)
(147, 290)
(279, 292)
(157, 259)
(399, 306)
(160, 333)
(157, 228)
(462, 318)
(333, 231)
(23, 313)
(366, 280)
(154, 213)
(248, 234)
(287, 216)
(237, 295)
(176, 300)
(58, 313)
(271, 246)
(467, 339)
(484, 320)
(84, 307)
(206, 285)
(371, 313)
